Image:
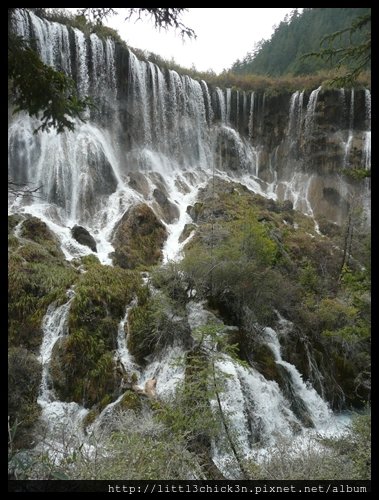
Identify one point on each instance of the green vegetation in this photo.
(300, 34)
(138, 239)
(356, 174)
(83, 363)
(155, 323)
(355, 55)
(38, 275)
(24, 378)
(257, 256)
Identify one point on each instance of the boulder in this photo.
(138, 238)
(82, 236)
(169, 211)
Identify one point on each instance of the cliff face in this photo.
(298, 146)
(316, 139)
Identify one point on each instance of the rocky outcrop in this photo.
(82, 236)
(36, 230)
(168, 210)
(138, 238)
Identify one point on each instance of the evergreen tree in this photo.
(345, 30)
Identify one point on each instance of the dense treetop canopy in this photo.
(299, 34)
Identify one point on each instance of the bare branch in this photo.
(22, 189)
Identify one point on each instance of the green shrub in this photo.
(154, 325)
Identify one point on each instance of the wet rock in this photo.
(169, 211)
(195, 211)
(82, 236)
(188, 228)
(287, 205)
(138, 182)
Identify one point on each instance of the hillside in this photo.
(297, 35)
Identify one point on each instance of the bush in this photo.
(131, 446)
(347, 457)
(153, 325)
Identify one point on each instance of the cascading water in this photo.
(164, 367)
(54, 326)
(318, 410)
(63, 420)
(350, 133)
(251, 116)
(367, 133)
(122, 353)
(310, 112)
(176, 133)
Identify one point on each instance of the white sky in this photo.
(223, 35)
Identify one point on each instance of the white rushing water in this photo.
(122, 352)
(318, 409)
(158, 131)
(63, 420)
(54, 327)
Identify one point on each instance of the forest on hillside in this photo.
(302, 33)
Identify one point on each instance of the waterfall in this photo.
(167, 128)
(292, 121)
(367, 133)
(156, 130)
(251, 116)
(310, 112)
(368, 108)
(63, 420)
(350, 133)
(237, 109)
(256, 410)
(295, 118)
(221, 104)
(122, 352)
(54, 327)
(103, 72)
(228, 105)
(318, 410)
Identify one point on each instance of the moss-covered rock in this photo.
(83, 366)
(138, 238)
(38, 275)
(13, 220)
(36, 230)
(265, 362)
